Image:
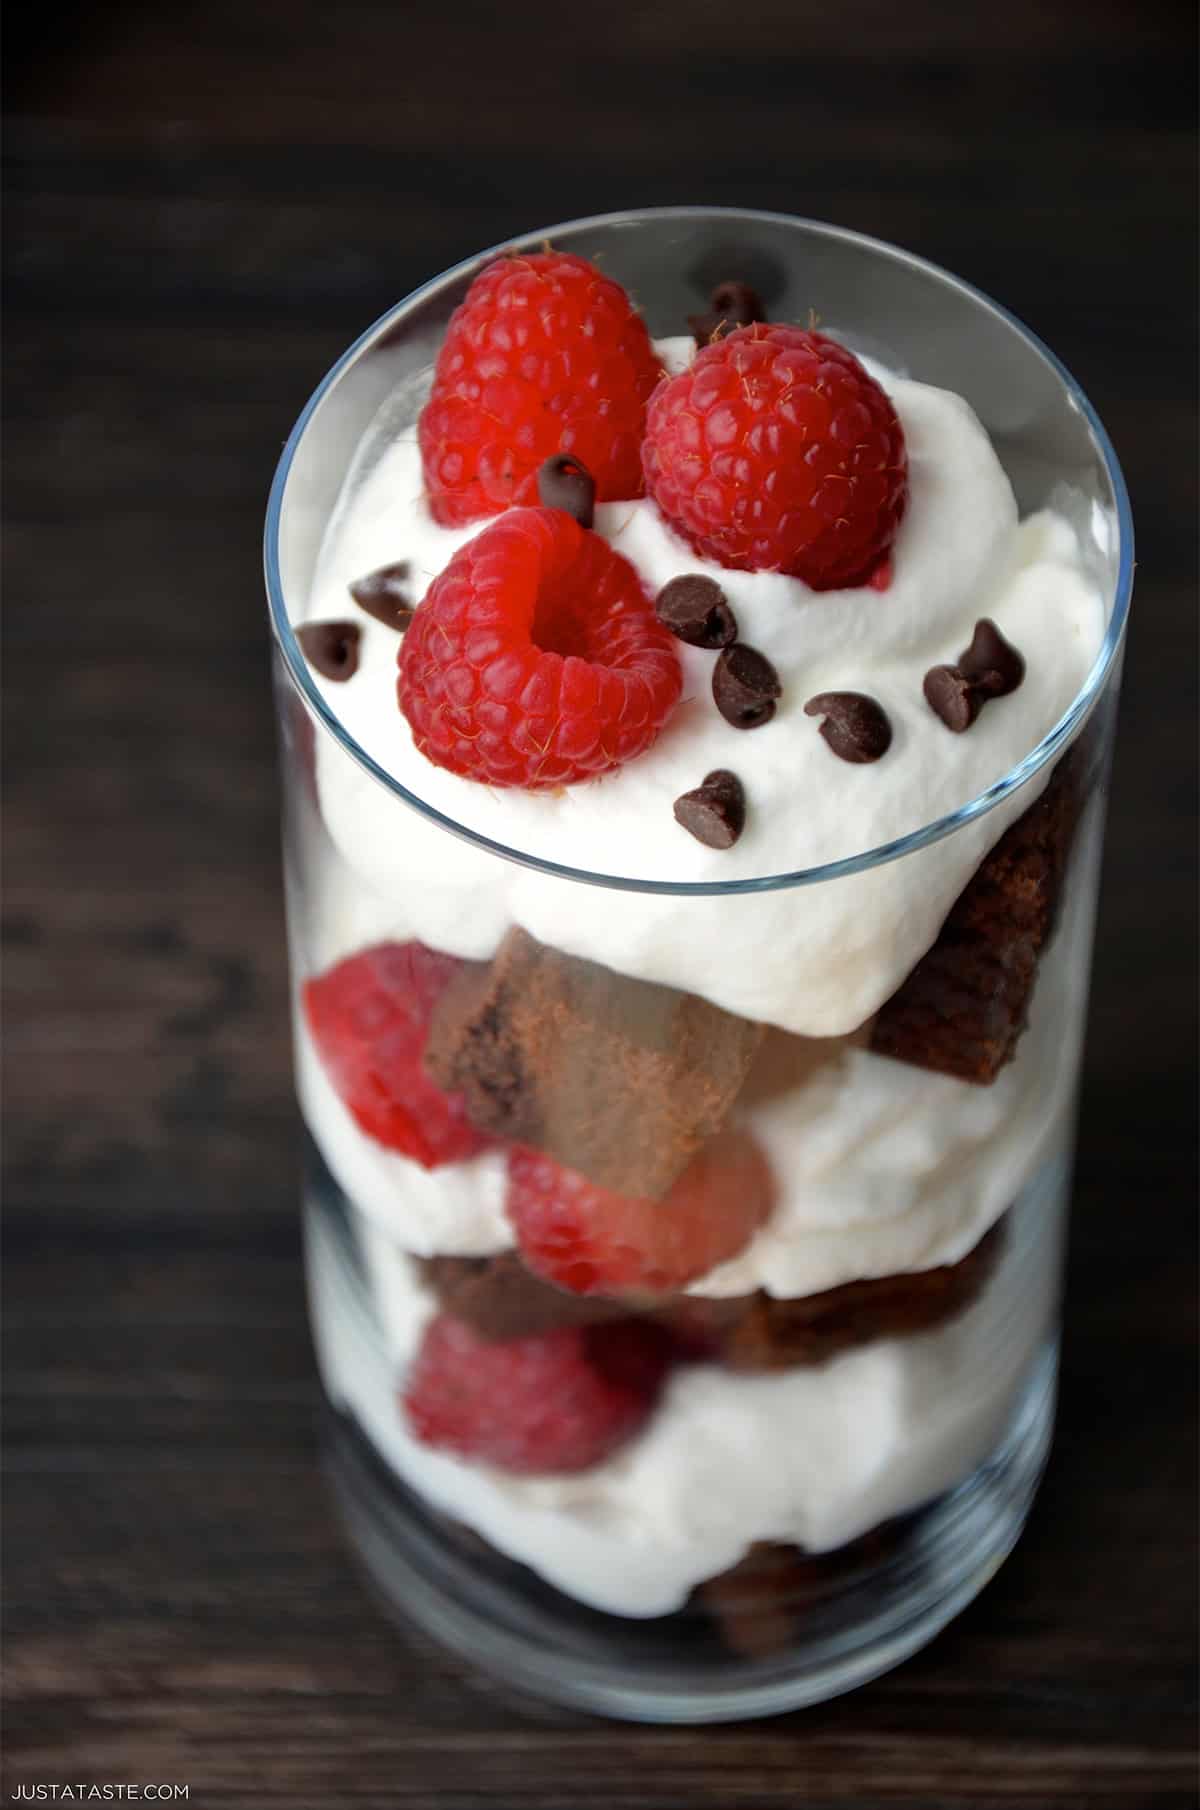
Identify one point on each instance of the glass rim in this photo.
(1061, 733)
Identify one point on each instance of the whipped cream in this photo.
(815, 1456)
(879, 1167)
(816, 960)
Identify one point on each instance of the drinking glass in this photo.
(958, 1363)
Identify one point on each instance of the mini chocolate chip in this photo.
(952, 697)
(715, 813)
(697, 610)
(730, 305)
(332, 647)
(990, 668)
(384, 594)
(856, 726)
(745, 686)
(991, 663)
(564, 482)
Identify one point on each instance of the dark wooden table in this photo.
(206, 201)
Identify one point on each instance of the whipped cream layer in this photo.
(879, 1167)
(817, 960)
(815, 1456)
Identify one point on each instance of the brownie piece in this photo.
(775, 1334)
(965, 1004)
(758, 1601)
(761, 1603)
(500, 1299)
(620, 1079)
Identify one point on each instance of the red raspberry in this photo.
(545, 355)
(592, 1242)
(776, 452)
(536, 658)
(369, 1017)
(552, 1401)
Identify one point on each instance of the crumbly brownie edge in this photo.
(962, 1009)
(501, 1299)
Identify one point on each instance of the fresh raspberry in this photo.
(592, 1242)
(552, 1401)
(369, 1017)
(545, 355)
(536, 658)
(776, 452)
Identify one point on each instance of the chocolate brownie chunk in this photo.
(761, 1603)
(620, 1079)
(501, 1299)
(965, 1004)
(758, 1601)
(775, 1334)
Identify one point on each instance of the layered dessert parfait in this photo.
(708, 1203)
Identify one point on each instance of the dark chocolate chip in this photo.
(952, 697)
(564, 482)
(715, 813)
(990, 668)
(856, 726)
(991, 663)
(385, 595)
(332, 647)
(697, 610)
(745, 686)
(730, 305)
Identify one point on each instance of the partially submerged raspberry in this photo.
(552, 1401)
(369, 1018)
(594, 1242)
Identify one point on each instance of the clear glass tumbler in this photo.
(816, 1464)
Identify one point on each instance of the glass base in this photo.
(889, 1596)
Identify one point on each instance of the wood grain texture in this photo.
(204, 204)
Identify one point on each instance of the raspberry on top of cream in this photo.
(545, 355)
(776, 450)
